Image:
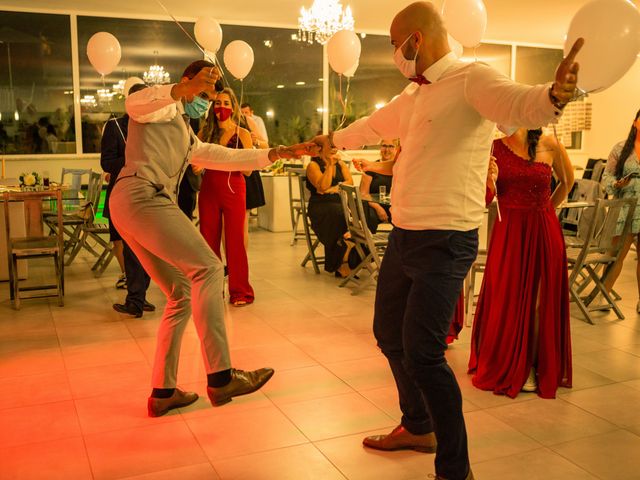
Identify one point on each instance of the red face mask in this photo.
(223, 113)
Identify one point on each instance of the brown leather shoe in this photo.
(401, 439)
(159, 406)
(242, 383)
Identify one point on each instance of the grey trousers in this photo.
(178, 259)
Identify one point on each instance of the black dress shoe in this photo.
(128, 309)
(148, 307)
(242, 383)
(159, 406)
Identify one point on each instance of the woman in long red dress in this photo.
(520, 339)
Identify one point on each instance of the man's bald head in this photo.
(419, 17)
(419, 28)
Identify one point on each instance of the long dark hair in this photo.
(627, 148)
(533, 137)
(211, 131)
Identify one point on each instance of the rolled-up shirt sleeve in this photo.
(383, 123)
(500, 99)
(152, 105)
(216, 157)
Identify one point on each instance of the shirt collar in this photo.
(435, 71)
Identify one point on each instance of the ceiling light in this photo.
(268, 43)
(322, 20)
(379, 105)
(270, 113)
(279, 86)
(300, 83)
(16, 116)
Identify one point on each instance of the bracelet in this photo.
(554, 100)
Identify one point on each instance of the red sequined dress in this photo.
(526, 270)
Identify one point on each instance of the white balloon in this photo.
(238, 58)
(343, 50)
(208, 33)
(466, 20)
(103, 50)
(352, 71)
(130, 82)
(456, 46)
(611, 32)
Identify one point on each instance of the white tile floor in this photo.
(75, 382)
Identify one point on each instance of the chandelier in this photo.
(156, 75)
(322, 20)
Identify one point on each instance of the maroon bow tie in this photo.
(420, 80)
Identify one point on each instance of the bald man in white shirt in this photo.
(445, 121)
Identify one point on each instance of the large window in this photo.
(144, 43)
(36, 101)
(374, 84)
(284, 86)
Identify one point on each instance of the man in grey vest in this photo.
(160, 147)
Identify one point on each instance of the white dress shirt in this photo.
(445, 130)
(262, 129)
(156, 105)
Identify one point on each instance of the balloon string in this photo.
(343, 100)
(204, 52)
(242, 115)
(112, 115)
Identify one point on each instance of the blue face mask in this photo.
(197, 107)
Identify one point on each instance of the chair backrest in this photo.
(73, 178)
(584, 190)
(94, 189)
(354, 215)
(33, 214)
(598, 170)
(591, 169)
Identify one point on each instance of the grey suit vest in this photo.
(159, 153)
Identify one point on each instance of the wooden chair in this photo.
(80, 218)
(311, 239)
(35, 244)
(72, 209)
(598, 252)
(478, 267)
(370, 247)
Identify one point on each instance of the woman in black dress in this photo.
(371, 182)
(325, 211)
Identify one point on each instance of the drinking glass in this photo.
(383, 192)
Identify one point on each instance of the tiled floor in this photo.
(75, 382)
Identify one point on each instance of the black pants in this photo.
(137, 278)
(421, 277)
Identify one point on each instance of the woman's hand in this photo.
(381, 212)
(623, 182)
(492, 174)
(361, 165)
